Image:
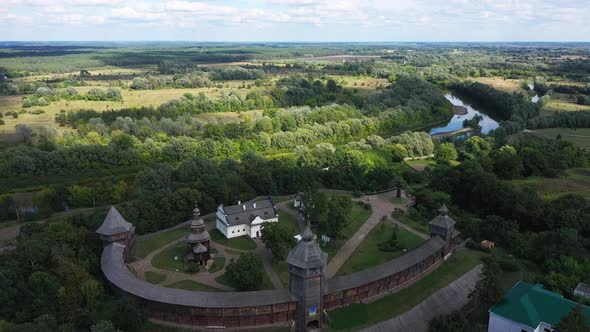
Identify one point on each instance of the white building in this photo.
(530, 308)
(245, 218)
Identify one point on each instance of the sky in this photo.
(295, 20)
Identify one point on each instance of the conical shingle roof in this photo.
(114, 223)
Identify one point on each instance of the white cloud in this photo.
(377, 17)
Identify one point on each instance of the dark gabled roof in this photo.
(116, 273)
(307, 253)
(531, 304)
(387, 269)
(238, 215)
(113, 224)
(198, 237)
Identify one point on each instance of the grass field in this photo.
(420, 164)
(241, 243)
(289, 222)
(502, 84)
(193, 286)
(144, 247)
(572, 181)
(154, 277)
(420, 226)
(356, 316)
(166, 259)
(368, 254)
(579, 136)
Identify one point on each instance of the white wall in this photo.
(238, 230)
(501, 324)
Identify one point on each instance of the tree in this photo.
(487, 290)
(338, 216)
(478, 146)
(446, 152)
(128, 315)
(104, 326)
(574, 321)
(245, 273)
(398, 152)
(278, 238)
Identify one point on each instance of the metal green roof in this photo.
(531, 304)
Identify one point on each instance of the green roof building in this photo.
(530, 308)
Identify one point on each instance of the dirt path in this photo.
(444, 301)
(382, 205)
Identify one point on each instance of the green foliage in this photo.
(128, 315)
(446, 152)
(245, 273)
(279, 239)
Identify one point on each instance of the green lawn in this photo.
(241, 243)
(368, 254)
(165, 259)
(265, 283)
(218, 264)
(289, 222)
(356, 316)
(154, 277)
(420, 226)
(193, 286)
(282, 269)
(144, 247)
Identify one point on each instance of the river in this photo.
(487, 124)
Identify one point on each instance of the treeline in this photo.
(580, 119)
(515, 107)
(31, 87)
(190, 80)
(45, 95)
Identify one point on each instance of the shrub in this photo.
(510, 265)
(191, 267)
(2, 122)
(367, 206)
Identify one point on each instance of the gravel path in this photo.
(382, 205)
(444, 301)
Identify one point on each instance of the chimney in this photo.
(244, 207)
(239, 202)
(254, 205)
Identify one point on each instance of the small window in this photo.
(546, 330)
(232, 232)
(244, 230)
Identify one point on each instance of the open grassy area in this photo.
(193, 286)
(579, 136)
(368, 253)
(419, 225)
(572, 181)
(420, 164)
(358, 216)
(154, 277)
(282, 269)
(265, 283)
(502, 84)
(355, 316)
(144, 247)
(166, 259)
(218, 264)
(241, 243)
(289, 222)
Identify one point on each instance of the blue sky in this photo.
(296, 20)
